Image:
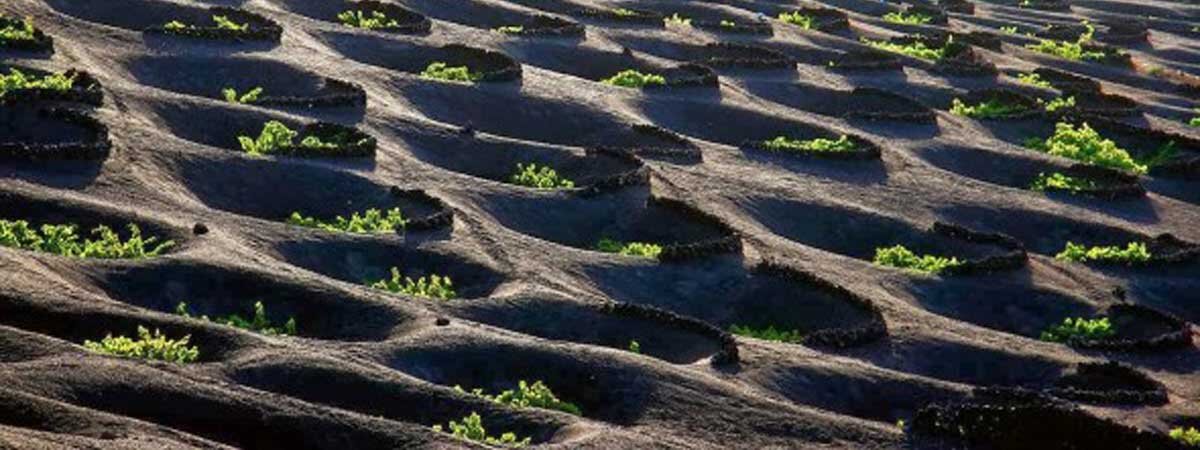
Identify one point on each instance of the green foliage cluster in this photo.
(907, 18)
(768, 334)
(1072, 50)
(471, 428)
(13, 31)
(634, 79)
(63, 240)
(1009, 30)
(639, 249)
(1058, 103)
(539, 177)
(1033, 79)
(624, 12)
(17, 80)
(1085, 144)
(231, 95)
(727, 23)
(431, 287)
(510, 29)
(989, 109)
(799, 19)
(1189, 436)
(154, 346)
(223, 23)
(258, 323)
(536, 395)
(1134, 252)
(635, 346)
(916, 49)
(276, 137)
(361, 19)
(818, 145)
(903, 258)
(1195, 122)
(369, 222)
(1079, 328)
(444, 72)
(1061, 182)
(676, 19)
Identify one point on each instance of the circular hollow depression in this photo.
(603, 389)
(857, 233)
(411, 56)
(221, 291)
(283, 84)
(408, 21)
(860, 103)
(497, 160)
(45, 210)
(629, 215)
(152, 16)
(30, 133)
(1010, 307)
(221, 126)
(268, 190)
(559, 319)
(745, 128)
(595, 64)
(364, 260)
(724, 293)
(1020, 170)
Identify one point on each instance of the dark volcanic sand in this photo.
(374, 370)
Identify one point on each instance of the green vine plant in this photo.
(258, 323)
(536, 395)
(471, 428)
(635, 79)
(1086, 145)
(1033, 79)
(539, 177)
(1195, 122)
(149, 346)
(1133, 253)
(1189, 437)
(441, 71)
(990, 109)
(901, 257)
(639, 249)
(1072, 329)
(635, 346)
(375, 20)
(371, 221)
(727, 23)
(17, 80)
(1058, 103)
(916, 49)
(510, 29)
(252, 96)
(818, 145)
(1008, 30)
(678, 20)
(799, 19)
(1072, 50)
(1059, 182)
(65, 241)
(908, 18)
(768, 334)
(433, 287)
(17, 30)
(223, 23)
(277, 137)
